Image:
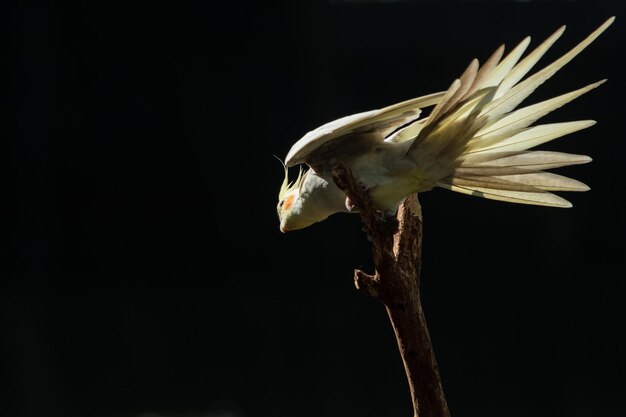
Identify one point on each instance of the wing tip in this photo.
(525, 42)
(608, 22)
(555, 36)
(599, 83)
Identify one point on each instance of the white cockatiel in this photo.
(474, 141)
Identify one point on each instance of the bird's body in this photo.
(474, 141)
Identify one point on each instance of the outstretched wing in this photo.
(476, 142)
(356, 132)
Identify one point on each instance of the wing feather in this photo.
(388, 118)
(541, 198)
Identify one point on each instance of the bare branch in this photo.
(396, 249)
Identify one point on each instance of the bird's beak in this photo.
(283, 228)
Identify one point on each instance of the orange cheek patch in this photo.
(288, 202)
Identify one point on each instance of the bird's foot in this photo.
(390, 213)
(349, 205)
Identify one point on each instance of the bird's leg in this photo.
(387, 219)
(391, 213)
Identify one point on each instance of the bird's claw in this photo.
(390, 213)
(351, 207)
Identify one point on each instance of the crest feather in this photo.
(287, 187)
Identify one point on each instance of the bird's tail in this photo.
(481, 142)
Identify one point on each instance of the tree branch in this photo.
(396, 249)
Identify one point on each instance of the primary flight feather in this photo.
(474, 141)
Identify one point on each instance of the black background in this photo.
(147, 275)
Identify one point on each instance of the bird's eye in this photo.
(281, 203)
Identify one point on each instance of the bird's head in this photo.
(290, 203)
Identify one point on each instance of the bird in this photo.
(475, 140)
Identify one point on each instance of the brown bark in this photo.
(396, 249)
